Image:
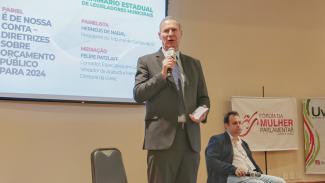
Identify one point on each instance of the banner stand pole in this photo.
(265, 152)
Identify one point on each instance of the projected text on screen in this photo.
(83, 50)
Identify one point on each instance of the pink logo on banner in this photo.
(248, 123)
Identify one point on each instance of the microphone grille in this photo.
(170, 52)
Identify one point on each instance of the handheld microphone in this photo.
(170, 53)
(253, 174)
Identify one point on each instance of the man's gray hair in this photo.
(169, 18)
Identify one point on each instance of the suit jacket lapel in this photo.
(159, 57)
(228, 147)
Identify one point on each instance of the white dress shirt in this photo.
(240, 159)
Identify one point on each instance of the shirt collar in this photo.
(231, 138)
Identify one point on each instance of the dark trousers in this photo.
(178, 164)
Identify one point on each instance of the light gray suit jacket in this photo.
(161, 100)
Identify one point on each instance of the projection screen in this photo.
(76, 50)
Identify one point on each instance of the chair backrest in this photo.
(107, 166)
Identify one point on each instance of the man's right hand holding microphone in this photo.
(168, 63)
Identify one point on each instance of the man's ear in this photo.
(159, 34)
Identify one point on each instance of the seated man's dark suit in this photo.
(219, 157)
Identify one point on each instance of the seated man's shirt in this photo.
(240, 159)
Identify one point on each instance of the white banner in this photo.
(314, 127)
(268, 124)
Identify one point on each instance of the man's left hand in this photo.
(198, 121)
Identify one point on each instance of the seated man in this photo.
(229, 159)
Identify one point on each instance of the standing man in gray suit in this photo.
(172, 87)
